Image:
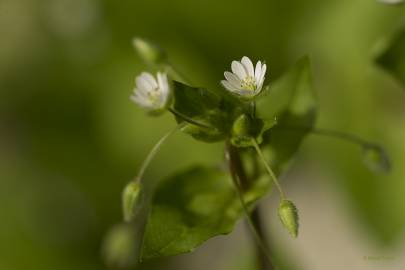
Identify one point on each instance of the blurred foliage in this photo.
(392, 58)
(70, 138)
(193, 206)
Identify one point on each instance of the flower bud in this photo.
(130, 196)
(289, 217)
(119, 247)
(376, 159)
(245, 129)
(149, 52)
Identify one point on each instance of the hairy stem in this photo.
(241, 183)
(268, 168)
(333, 134)
(154, 151)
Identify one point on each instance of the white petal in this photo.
(163, 87)
(162, 82)
(260, 85)
(238, 69)
(149, 78)
(264, 68)
(247, 63)
(258, 71)
(232, 79)
(229, 86)
(141, 92)
(141, 102)
(143, 84)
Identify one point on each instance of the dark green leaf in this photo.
(292, 101)
(210, 108)
(193, 206)
(392, 57)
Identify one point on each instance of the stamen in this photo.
(249, 83)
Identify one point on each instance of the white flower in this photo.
(151, 93)
(245, 80)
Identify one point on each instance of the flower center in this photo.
(154, 95)
(249, 83)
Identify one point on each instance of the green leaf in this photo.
(290, 99)
(210, 108)
(193, 206)
(392, 57)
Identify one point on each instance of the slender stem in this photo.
(333, 134)
(188, 119)
(241, 183)
(253, 109)
(154, 151)
(269, 170)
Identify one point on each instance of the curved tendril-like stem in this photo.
(154, 151)
(334, 134)
(268, 168)
(188, 119)
(240, 183)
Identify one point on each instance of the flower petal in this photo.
(232, 79)
(142, 84)
(238, 69)
(162, 82)
(150, 79)
(258, 71)
(264, 68)
(260, 86)
(141, 101)
(229, 86)
(248, 65)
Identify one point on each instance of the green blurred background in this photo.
(70, 138)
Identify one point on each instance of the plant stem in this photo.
(188, 119)
(154, 151)
(241, 183)
(268, 168)
(333, 134)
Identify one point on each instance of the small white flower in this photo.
(151, 93)
(245, 80)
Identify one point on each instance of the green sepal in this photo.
(245, 129)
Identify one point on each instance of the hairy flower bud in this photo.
(149, 52)
(289, 217)
(130, 196)
(376, 159)
(119, 246)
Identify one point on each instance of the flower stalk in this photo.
(268, 168)
(154, 151)
(241, 183)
